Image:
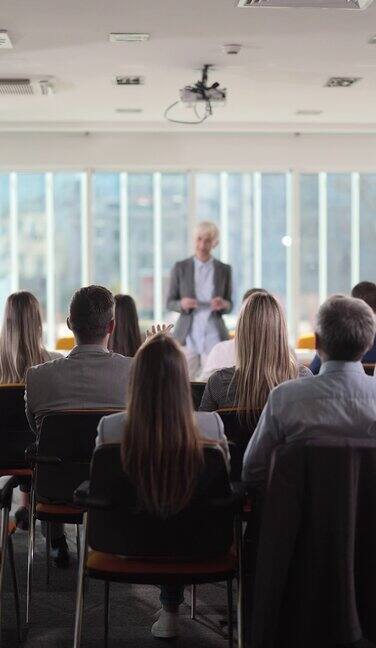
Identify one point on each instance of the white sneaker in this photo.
(167, 625)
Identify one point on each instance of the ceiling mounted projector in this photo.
(305, 4)
(198, 93)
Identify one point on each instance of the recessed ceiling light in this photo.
(308, 113)
(130, 80)
(341, 82)
(5, 42)
(128, 111)
(372, 40)
(128, 37)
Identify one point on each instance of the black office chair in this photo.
(131, 546)
(61, 461)
(15, 433)
(315, 577)
(197, 390)
(238, 432)
(7, 530)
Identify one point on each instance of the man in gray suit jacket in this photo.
(200, 290)
(89, 377)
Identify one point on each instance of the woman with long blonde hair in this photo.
(263, 359)
(162, 441)
(21, 344)
(21, 347)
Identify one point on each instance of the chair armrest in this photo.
(82, 497)
(6, 492)
(33, 458)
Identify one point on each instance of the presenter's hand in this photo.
(165, 328)
(218, 304)
(187, 303)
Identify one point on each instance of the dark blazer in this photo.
(182, 284)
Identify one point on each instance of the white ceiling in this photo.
(287, 57)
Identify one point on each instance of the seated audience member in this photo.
(126, 338)
(160, 419)
(263, 359)
(365, 290)
(222, 354)
(21, 343)
(21, 347)
(89, 377)
(340, 401)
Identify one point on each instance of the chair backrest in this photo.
(70, 437)
(315, 581)
(238, 434)
(204, 528)
(15, 433)
(369, 368)
(197, 389)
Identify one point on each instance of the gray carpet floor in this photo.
(131, 609)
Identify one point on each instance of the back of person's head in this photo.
(91, 312)
(366, 290)
(126, 337)
(252, 291)
(263, 356)
(345, 328)
(21, 344)
(161, 449)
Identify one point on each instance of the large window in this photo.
(126, 229)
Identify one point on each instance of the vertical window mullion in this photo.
(292, 252)
(192, 209)
(355, 228)
(246, 254)
(124, 234)
(86, 229)
(14, 249)
(223, 201)
(157, 220)
(50, 241)
(257, 230)
(323, 236)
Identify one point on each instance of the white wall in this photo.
(232, 151)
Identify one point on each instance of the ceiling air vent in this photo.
(130, 80)
(341, 82)
(26, 87)
(5, 42)
(304, 4)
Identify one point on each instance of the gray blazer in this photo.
(210, 425)
(89, 377)
(182, 284)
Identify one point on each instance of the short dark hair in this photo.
(90, 311)
(366, 290)
(252, 291)
(345, 328)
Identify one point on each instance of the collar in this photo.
(202, 264)
(338, 365)
(87, 348)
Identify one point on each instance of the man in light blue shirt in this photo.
(339, 401)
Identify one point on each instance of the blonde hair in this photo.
(162, 452)
(263, 356)
(209, 228)
(21, 344)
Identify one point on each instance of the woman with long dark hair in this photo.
(126, 338)
(160, 420)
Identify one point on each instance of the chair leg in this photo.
(106, 610)
(240, 594)
(193, 601)
(230, 625)
(80, 590)
(15, 588)
(4, 542)
(30, 556)
(78, 542)
(48, 552)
